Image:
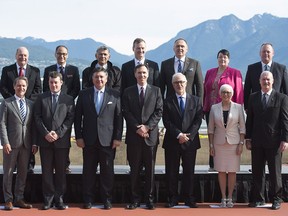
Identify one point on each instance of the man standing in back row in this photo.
(180, 63)
(279, 72)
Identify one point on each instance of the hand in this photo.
(80, 143)
(283, 146)
(183, 138)
(51, 136)
(239, 149)
(143, 131)
(116, 143)
(212, 151)
(248, 145)
(7, 148)
(34, 149)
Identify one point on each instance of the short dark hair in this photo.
(99, 69)
(141, 65)
(55, 74)
(137, 41)
(180, 39)
(61, 46)
(224, 52)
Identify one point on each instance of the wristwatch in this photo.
(241, 142)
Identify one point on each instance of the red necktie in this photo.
(21, 72)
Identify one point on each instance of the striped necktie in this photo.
(22, 110)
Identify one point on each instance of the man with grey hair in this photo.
(182, 117)
(267, 138)
(102, 60)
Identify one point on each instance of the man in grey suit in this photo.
(142, 108)
(279, 72)
(98, 130)
(17, 136)
(182, 117)
(54, 116)
(180, 63)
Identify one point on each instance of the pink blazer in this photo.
(235, 124)
(230, 76)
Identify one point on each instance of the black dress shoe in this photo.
(60, 206)
(191, 204)
(150, 205)
(171, 204)
(133, 205)
(87, 205)
(276, 205)
(107, 205)
(46, 206)
(256, 204)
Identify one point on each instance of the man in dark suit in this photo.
(279, 72)
(128, 78)
(17, 137)
(267, 138)
(54, 116)
(71, 79)
(142, 108)
(182, 117)
(21, 68)
(180, 63)
(98, 130)
(102, 60)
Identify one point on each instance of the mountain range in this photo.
(242, 38)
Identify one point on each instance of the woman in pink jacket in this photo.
(214, 79)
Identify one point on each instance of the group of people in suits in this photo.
(142, 95)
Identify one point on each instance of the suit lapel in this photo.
(176, 105)
(186, 65)
(16, 108)
(106, 97)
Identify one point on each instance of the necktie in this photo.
(182, 108)
(266, 67)
(264, 102)
(21, 72)
(98, 101)
(54, 102)
(179, 66)
(62, 71)
(141, 97)
(22, 110)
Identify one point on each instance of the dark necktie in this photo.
(141, 97)
(22, 110)
(62, 72)
(21, 72)
(179, 66)
(54, 102)
(182, 108)
(264, 102)
(266, 67)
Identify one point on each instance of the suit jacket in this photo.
(71, 80)
(175, 124)
(60, 121)
(149, 115)
(267, 127)
(12, 130)
(10, 73)
(251, 84)
(107, 126)
(235, 124)
(192, 71)
(128, 77)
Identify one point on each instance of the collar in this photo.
(18, 67)
(183, 96)
(58, 66)
(18, 98)
(269, 64)
(142, 61)
(55, 93)
(139, 87)
(99, 90)
(268, 93)
(182, 59)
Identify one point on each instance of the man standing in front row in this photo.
(54, 116)
(267, 138)
(17, 136)
(142, 109)
(98, 130)
(182, 117)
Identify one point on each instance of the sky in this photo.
(116, 23)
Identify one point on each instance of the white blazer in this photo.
(235, 124)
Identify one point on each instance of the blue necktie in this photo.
(54, 102)
(266, 67)
(179, 66)
(182, 108)
(22, 110)
(98, 101)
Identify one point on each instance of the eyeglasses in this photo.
(226, 92)
(179, 82)
(61, 54)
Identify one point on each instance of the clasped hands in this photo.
(183, 137)
(52, 136)
(143, 131)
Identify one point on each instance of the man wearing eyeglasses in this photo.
(70, 77)
(182, 117)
